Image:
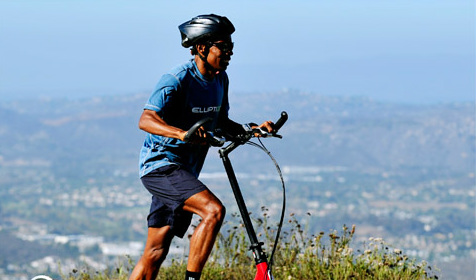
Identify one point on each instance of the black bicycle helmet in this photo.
(205, 27)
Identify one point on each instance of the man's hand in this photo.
(266, 126)
(199, 137)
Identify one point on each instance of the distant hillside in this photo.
(355, 132)
(9, 252)
(358, 132)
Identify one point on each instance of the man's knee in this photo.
(216, 213)
(207, 206)
(157, 246)
(155, 255)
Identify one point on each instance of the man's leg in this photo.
(155, 251)
(211, 210)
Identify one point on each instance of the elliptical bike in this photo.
(263, 265)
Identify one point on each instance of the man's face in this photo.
(220, 53)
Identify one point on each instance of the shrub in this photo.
(298, 256)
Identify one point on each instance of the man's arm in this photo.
(151, 122)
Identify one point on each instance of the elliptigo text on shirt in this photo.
(203, 110)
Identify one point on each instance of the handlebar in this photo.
(280, 122)
(194, 128)
(263, 132)
(214, 139)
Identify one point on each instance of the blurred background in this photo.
(381, 130)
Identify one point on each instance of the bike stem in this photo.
(256, 246)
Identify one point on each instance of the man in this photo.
(169, 166)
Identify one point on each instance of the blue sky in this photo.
(401, 51)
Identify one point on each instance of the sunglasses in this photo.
(224, 46)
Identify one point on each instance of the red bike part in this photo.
(262, 272)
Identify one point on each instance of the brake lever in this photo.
(262, 132)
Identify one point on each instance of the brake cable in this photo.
(262, 147)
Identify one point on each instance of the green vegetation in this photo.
(299, 256)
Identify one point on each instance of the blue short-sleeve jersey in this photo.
(181, 98)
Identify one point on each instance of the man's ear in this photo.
(201, 48)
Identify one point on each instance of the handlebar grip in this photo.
(194, 128)
(279, 123)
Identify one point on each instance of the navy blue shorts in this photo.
(170, 186)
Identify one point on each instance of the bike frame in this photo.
(261, 259)
(263, 271)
